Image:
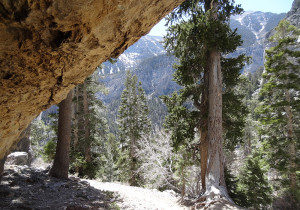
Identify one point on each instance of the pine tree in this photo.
(89, 128)
(253, 184)
(40, 134)
(133, 124)
(280, 106)
(200, 37)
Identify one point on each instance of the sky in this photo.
(274, 6)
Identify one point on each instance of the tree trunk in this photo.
(183, 180)
(60, 166)
(2, 162)
(203, 126)
(215, 181)
(87, 148)
(133, 160)
(292, 145)
(203, 157)
(76, 123)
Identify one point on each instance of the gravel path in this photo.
(137, 198)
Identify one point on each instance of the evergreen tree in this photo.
(232, 184)
(253, 184)
(133, 124)
(200, 37)
(280, 106)
(90, 129)
(40, 134)
(108, 170)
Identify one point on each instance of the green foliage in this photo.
(49, 151)
(134, 123)
(133, 111)
(253, 184)
(192, 33)
(239, 197)
(109, 157)
(89, 130)
(279, 109)
(180, 120)
(40, 134)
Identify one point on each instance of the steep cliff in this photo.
(294, 14)
(49, 46)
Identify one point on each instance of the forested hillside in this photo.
(154, 67)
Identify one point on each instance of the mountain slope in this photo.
(253, 27)
(150, 62)
(146, 47)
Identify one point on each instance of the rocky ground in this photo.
(23, 187)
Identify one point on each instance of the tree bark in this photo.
(133, 160)
(87, 148)
(76, 123)
(292, 145)
(60, 166)
(203, 126)
(215, 181)
(2, 162)
(203, 157)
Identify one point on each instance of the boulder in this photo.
(17, 158)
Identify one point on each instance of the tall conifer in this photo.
(280, 107)
(200, 37)
(134, 123)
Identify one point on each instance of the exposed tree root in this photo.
(215, 199)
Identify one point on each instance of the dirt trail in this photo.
(137, 198)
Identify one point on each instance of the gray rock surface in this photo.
(17, 158)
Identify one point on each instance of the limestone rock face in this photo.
(49, 46)
(294, 14)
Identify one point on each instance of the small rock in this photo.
(85, 183)
(73, 178)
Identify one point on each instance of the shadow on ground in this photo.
(23, 187)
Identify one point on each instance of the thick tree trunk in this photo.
(60, 166)
(215, 181)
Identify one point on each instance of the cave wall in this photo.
(49, 46)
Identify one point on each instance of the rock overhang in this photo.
(49, 46)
